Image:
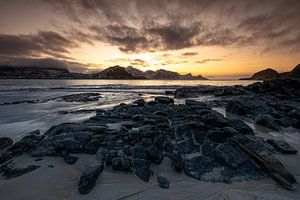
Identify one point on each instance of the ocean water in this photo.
(18, 117)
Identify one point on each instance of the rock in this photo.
(141, 169)
(120, 153)
(177, 163)
(24, 145)
(72, 146)
(35, 132)
(295, 73)
(38, 159)
(154, 154)
(139, 102)
(163, 182)
(240, 126)
(5, 142)
(220, 135)
(214, 119)
(164, 100)
(88, 178)
(186, 93)
(266, 121)
(231, 154)
(10, 172)
(229, 91)
(111, 154)
(81, 97)
(70, 159)
(149, 130)
(83, 137)
(101, 155)
(235, 107)
(199, 104)
(198, 165)
(138, 151)
(92, 146)
(122, 164)
(147, 141)
(133, 134)
(282, 146)
(168, 147)
(186, 146)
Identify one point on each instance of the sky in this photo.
(214, 38)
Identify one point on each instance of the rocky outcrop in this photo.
(295, 73)
(264, 75)
(269, 73)
(88, 178)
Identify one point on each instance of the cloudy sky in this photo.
(215, 38)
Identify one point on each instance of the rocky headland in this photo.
(270, 73)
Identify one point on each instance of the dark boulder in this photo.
(282, 146)
(25, 145)
(214, 119)
(11, 172)
(164, 100)
(236, 107)
(88, 178)
(110, 155)
(70, 145)
(70, 159)
(121, 164)
(266, 121)
(138, 151)
(240, 126)
(197, 104)
(198, 165)
(163, 182)
(154, 154)
(139, 102)
(141, 169)
(177, 163)
(92, 146)
(231, 154)
(220, 135)
(5, 142)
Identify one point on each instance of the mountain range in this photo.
(115, 72)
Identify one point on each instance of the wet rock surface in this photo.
(199, 141)
(12, 172)
(88, 178)
(81, 97)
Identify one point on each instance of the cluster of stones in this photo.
(197, 139)
(133, 137)
(273, 104)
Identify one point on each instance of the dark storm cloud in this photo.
(189, 54)
(42, 63)
(150, 37)
(139, 62)
(47, 43)
(137, 26)
(208, 60)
